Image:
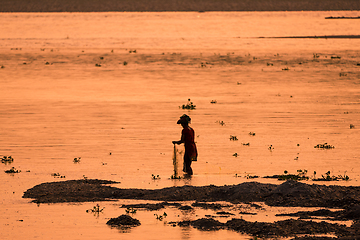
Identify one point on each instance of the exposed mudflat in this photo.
(289, 193)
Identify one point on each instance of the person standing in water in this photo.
(187, 137)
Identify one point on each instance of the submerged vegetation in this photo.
(7, 159)
(233, 138)
(302, 175)
(155, 177)
(189, 105)
(160, 217)
(130, 210)
(57, 175)
(328, 177)
(12, 170)
(221, 123)
(95, 209)
(324, 146)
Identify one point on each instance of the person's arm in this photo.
(182, 140)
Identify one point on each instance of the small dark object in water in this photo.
(124, 220)
(7, 159)
(12, 170)
(189, 105)
(324, 146)
(224, 213)
(186, 208)
(233, 138)
(221, 123)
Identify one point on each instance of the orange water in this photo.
(52, 113)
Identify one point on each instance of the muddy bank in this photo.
(175, 5)
(314, 223)
(70, 191)
(290, 193)
(286, 228)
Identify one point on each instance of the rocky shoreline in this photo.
(175, 5)
(290, 193)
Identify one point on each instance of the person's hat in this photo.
(184, 119)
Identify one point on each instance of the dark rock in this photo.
(124, 220)
(203, 224)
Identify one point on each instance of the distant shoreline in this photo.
(175, 5)
(325, 36)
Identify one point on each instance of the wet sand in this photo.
(174, 5)
(290, 194)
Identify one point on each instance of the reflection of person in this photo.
(187, 137)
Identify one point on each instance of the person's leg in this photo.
(187, 165)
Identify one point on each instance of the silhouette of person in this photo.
(187, 137)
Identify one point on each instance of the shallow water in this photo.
(57, 105)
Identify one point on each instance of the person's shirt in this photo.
(188, 136)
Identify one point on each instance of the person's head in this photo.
(184, 120)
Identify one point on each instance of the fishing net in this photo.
(178, 156)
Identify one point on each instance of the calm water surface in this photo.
(56, 104)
